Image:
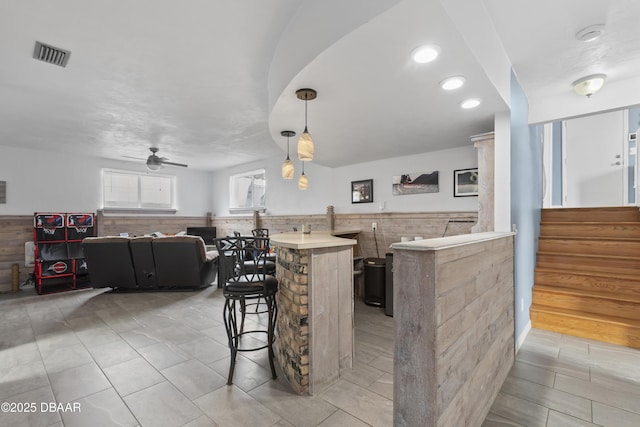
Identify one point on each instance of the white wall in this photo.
(332, 186)
(39, 181)
(502, 172)
(613, 96)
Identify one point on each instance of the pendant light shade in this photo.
(305, 144)
(287, 165)
(287, 169)
(303, 182)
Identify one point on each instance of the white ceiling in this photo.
(196, 78)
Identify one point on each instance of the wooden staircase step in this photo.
(618, 284)
(587, 277)
(597, 263)
(594, 239)
(602, 214)
(609, 329)
(586, 301)
(591, 246)
(615, 230)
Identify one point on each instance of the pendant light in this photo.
(303, 182)
(287, 165)
(305, 143)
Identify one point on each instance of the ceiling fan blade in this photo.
(175, 164)
(135, 158)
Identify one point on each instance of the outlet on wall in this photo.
(374, 226)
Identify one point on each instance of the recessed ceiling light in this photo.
(424, 54)
(452, 83)
(590, 33)
(470, 103)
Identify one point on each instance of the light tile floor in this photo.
(563, 381)
(160, 359)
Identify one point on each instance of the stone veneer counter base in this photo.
(315, 308)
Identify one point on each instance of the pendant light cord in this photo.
(305, 113)
(288, 147)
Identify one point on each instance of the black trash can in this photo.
(374, 281)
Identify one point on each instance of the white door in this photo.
(594, 169)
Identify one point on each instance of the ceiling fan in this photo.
(155, 162)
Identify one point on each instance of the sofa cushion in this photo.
(202, 252)
(106, 239)
(109, 262)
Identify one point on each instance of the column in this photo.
(486, 182)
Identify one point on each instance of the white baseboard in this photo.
(522, 336)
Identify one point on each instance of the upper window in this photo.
(137, 190)
(247, 191)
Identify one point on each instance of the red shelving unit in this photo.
(59, 259)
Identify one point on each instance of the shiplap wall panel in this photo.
(17, 229)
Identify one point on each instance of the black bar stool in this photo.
(270, 257)
(247, 280)
(260, 232)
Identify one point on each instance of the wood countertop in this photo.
(448, 242)
(315, 239)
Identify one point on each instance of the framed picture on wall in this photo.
(415, 183)
(465, 182)
(362, 191)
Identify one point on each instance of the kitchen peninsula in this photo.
(315, 308)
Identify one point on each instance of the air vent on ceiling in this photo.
(50, 54)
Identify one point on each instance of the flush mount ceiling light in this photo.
(589, 85)
(425, 54)
(287, 165)
(590, 33)
(452, 83)
(305, 143)
(303, 182)
(470, 103)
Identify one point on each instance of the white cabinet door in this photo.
(594, 160)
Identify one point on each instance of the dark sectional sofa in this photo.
(149, 263)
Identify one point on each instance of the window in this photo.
(137, 190)
(247, 191)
